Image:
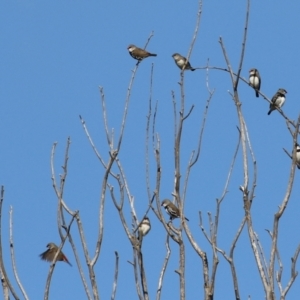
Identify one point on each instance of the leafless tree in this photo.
(116, 188)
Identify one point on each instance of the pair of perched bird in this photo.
(171, 209)
(277, 100)
(139, 54)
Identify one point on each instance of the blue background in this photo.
(54, 56)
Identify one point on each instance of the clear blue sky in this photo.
(53, 58)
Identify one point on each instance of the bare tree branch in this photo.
(282, 208)
(7, 286)
(108, 137)
(163, 270)
(51, 270)
(294, 274)
(128, 98)
(147, 135)
(114, 291)
(12, 254)
(113, 156)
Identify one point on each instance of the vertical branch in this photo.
(282, 208)
(231, 261)
(163, 270)
(12, 254)
(294, 274)
(142, 274)
(109, 140)
(244, 188)
(128, 99)
(181, 271)
(126, 106)
(147, 135)
(74, 214)
(243, 47)
(182, 117)
(59, 191)
(7, 286)
(86, 255)
(177, 156)
(113, 156)
(113, 295)
(236, 97)
(52, 266)
(175, 114)
(211, 93)
(136, 277)
(129, 196)
(196, 29)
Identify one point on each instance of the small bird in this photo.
(144, 228)
(298, 156)
(255, 80)
(277, 100)
(49, 254)
(171, 209)
(181, 62)
(138, 53)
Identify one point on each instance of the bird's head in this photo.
(50, 245)
(176, 55)
(165, 203)
(131, 47)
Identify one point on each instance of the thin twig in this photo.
(114, 291)
(109, 140)
(163, 270)
(52, 266)
(113, 156)
(127, 100)
(12, 254)
(5, 280)
(86, 255)
(147, 135)
(294, 273)
(282, 208)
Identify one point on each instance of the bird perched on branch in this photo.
(171, 209)
(144, 228)
(49, 254)
(255, 80)
(138, 53)
(277, 100)
(181, 62)
(298, 156)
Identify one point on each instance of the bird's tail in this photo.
(66, 260)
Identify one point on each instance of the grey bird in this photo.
(181, 62)
(49, 254)
(298, 156)
(171, 209)
(277, 100)
(138, 53)
(144, 228)
(255, 80)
